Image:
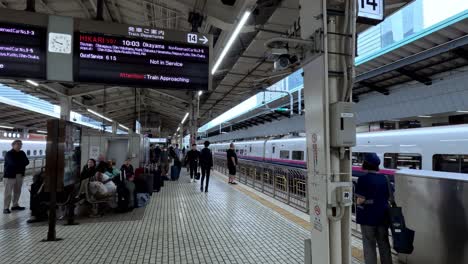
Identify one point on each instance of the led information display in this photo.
(22, 51)
(120, 60)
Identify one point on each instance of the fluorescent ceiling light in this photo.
(462, 111)
(454, 140)
(41, 131)
(7, 127)
(32, 82)
(185, 117)
(178, 129)
(231, 41)
(98, 114)
(425, 116)
(200, 93)
(122, 126)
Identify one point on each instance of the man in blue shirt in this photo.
(372, 192)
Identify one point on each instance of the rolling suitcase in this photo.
(123, 194)
(142, 182)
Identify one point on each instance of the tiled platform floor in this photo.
(180, 225)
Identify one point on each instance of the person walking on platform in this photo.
(164, 161)
(206, 163)
(14, 169)
(232, 163)
(192, 158)
(157, 153)
(177, 151)
(372, 192)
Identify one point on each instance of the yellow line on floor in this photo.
(355, 252)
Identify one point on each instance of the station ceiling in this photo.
(246, 69)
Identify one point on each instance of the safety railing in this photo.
(35, 165)
(286, 184)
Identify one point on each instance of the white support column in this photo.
(327, 81)
(65, 107)
(25, 133)
(193, 126)
(115, 126)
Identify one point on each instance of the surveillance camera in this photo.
(283, 61)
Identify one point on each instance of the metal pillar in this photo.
(193, 121)
(65, 108)
(115, 126)
(329, 167)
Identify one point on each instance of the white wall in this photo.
(90, 139)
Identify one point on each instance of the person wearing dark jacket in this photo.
(206, 163)
(157, 153)
(15, 167)
(127, 168)
(89, 170)
(192, 158)
(372, 192)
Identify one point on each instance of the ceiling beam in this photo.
(422, 79)
(460, 52)
(169, 95)
(423, 55)
(80, 91)
(46, 7)
(102, 102)
(84, 8)
(375, 88)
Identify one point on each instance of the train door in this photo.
(268, 149)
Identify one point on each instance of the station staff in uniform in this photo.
(372, 194)
(15, 166)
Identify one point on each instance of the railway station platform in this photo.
(229, 224)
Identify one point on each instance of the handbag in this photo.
(403, 237)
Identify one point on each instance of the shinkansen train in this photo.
(33, 149)
(436, 148)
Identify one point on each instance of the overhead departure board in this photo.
(22, 51)
(144, 62)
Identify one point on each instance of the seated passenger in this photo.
(127, 169)
(102, 164)
(101, 185)
(111, 171)
(89, 170)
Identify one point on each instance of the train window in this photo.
(35, 152)
(358, 158)
(4, 153)
(273, 150)
(402, 161)
(298, 155)
(28, 152)
(284, 154)
(450, 163)
(40, 152)
(250, 149)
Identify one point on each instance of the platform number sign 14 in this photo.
(192, 38)
(371, 9)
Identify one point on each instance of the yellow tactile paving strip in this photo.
(355, 252)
